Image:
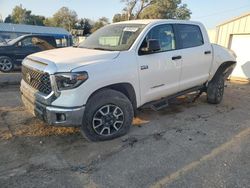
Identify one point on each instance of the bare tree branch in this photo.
(143, 4)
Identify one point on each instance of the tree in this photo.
(154, 9)
(166, 9)
(36, 20)
(85, 25)
(8, 19)
(120, 17)
(183, 13)
(49, 22)
(20, 15)
(65, 18)
(100, 23)
(134, 8)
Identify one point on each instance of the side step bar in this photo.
(163, 102)
(158, 105)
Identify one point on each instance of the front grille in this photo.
(37, 79)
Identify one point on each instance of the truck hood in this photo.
(66, 59)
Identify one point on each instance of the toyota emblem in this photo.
(28, 77)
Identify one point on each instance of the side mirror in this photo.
(153, 45)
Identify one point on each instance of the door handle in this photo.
(176, 57)
(143, 67)
(207, 52)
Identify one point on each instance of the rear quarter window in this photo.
(189, 36)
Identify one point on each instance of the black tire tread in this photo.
(100, 98)
(212, 89)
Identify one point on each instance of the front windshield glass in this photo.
(116, 37)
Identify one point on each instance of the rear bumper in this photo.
(38, 104)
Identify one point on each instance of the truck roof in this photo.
(155, 21)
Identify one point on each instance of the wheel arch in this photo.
(126, 88)
(226, 68)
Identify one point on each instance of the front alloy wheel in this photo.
(108, 114)
(6, 64)
(108, 120)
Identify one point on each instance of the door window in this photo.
(26, 42)
(42, 43)
(164, 34)
(189, 35)
(36, 43)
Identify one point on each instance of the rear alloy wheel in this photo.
(6, 64)
(108, 114)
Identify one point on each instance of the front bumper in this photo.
(40, 106)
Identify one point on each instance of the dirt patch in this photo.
(14, 123)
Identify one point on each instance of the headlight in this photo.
(70, 80)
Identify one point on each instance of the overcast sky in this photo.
(210, 12)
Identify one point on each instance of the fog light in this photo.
(60, 117)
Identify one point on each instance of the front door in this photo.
(25, 47)
(159, 71)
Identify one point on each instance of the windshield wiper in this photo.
(104, 49)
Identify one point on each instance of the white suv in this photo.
(121, 67)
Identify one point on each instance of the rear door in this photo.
(196, 55)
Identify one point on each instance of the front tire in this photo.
(108, 115)
(6, 64)
(215, 89)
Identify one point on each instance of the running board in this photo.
(163, 102)
(158, 105)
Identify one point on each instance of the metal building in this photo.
(235, 34)
(11, 31)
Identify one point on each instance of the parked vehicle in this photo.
(13, 52)
(100, 84)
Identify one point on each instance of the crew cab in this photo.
(13, 52)
(124, 66)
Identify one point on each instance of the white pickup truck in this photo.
(99, 84)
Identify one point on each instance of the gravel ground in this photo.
(184, 145)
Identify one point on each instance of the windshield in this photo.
(116, 37)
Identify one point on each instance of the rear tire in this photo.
(6, 64)
(108, 115)
(215, 89)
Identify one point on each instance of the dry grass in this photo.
(139, 121)
(5, 135)
(239, 81)
(36, 130)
